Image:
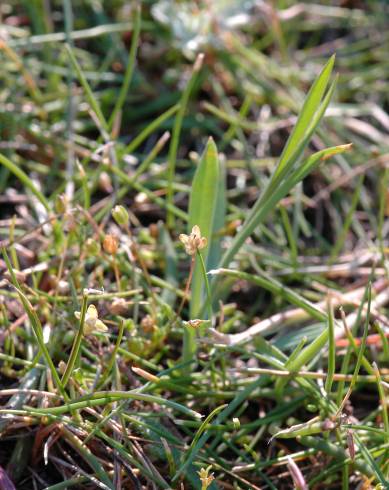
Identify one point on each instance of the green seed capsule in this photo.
(61, 204)
(311, 408)
(92, 247)
(313, 426)
(120, 215)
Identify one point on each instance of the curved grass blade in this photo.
(192, 451)
(154, 125)
(36, 326)
(306, 115)
(286, 172)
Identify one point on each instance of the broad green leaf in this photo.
(219, 220)
(202, 205)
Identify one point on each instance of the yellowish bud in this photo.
(120, 215)
(110, 244)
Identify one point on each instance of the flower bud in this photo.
(135, 345)
(105, 183)
(110, 244)
(61, 204)
(61, 367)
(120, 215)
(92, 247)
(118, 306)
(148, 324)
(63, 286)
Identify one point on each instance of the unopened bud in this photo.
(148, 324)
(350, 444)
(118, 306)
(63, 286)
(92, 247)
(61, 367)
(153, 230)
(110, 244)
(61, 204)
(120, 215)
(105, 183)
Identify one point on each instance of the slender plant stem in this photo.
(76, 344)
(130, 68)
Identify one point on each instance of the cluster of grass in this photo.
(193, 224)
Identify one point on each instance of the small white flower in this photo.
(194, 241)
(92, 322)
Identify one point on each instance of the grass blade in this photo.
(310, 117)
(309, 109)
(176, 135)
(24, 179)
(92, 101)
(331, 349)
(130, 67)
(36, 326)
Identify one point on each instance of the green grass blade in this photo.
(105, 397)
(92, 101)
(276, 288)
(193, 447)
(176, 135)
(310, 106)
(280, 183)
(371, 462)
(331, 350)
(267, 205)
(155, 124)
(130, 67)
(24, 179)
(36, 326)
(219, 221)
(76, 344)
